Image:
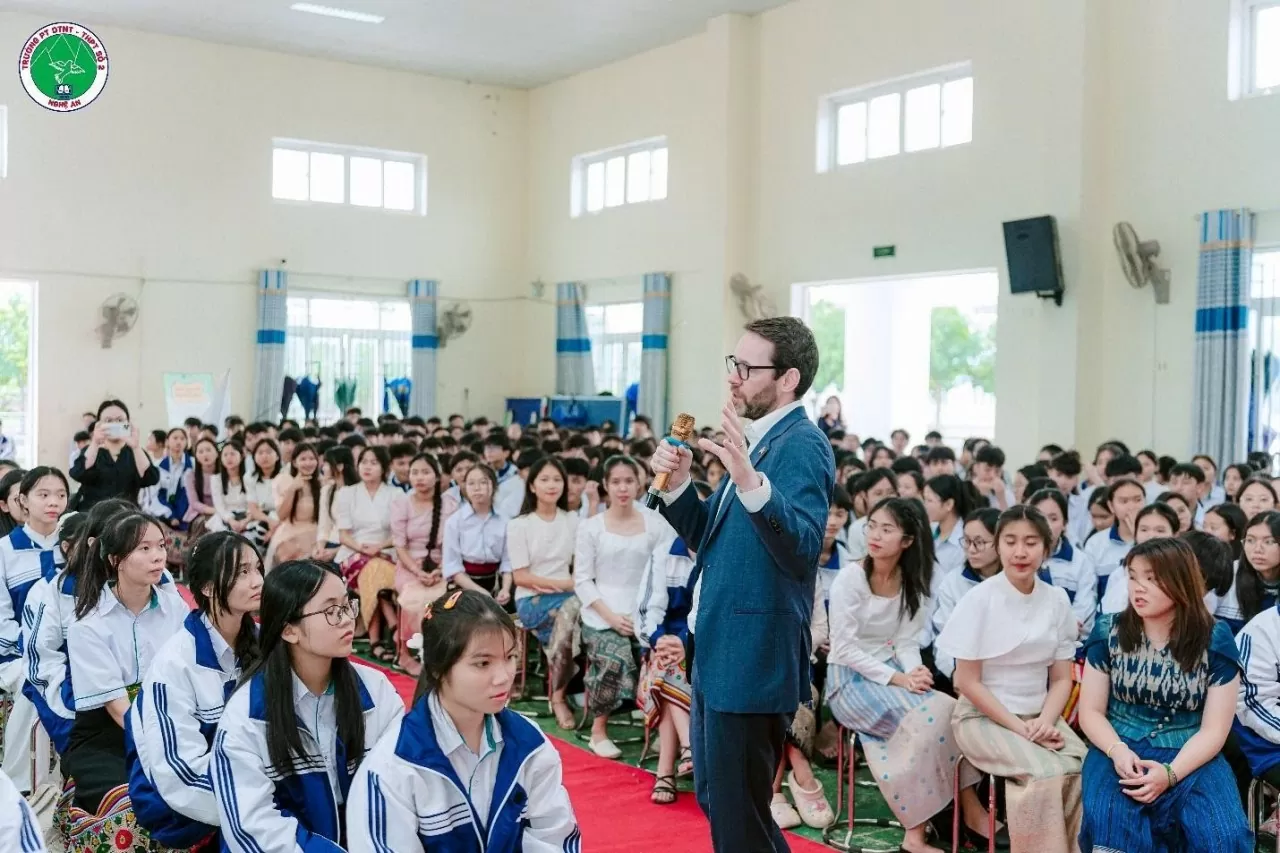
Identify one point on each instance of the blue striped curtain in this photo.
(1220, 391)
(268, 374)
(422, 302)
(653, 348)
(574, 374)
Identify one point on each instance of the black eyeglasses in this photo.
(732, 365)
(334, 614)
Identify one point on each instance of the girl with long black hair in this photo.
(1257, 583)
(291, 737)
(461, 765)
(123, 617)
(297, 506)
(948, 500)
(173, 719)
(417, 529)
(337, 470)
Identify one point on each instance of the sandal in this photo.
(664, 791)
(685, 767)
(564, 715)
(382, 652)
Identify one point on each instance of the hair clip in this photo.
(427, 612)
(452, 600)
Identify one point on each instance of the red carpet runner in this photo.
(611, 800)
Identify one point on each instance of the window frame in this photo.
(829, 107)
(1242, 50)
(578, 184)
(328, 410)
(417, 161)
(1262, 307)
(622, 339)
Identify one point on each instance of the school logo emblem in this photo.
(63, 67)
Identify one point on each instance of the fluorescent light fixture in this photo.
(331, 12)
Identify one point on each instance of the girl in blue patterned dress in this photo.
(1157, 703)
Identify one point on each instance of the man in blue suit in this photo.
(758, 539)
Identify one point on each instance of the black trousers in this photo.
(735, 757)
(95, 757)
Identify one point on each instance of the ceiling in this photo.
(522, 43)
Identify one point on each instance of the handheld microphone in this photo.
(682, 432)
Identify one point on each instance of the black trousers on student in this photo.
(735, 757)
(95, 757)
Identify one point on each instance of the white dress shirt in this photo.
(366, 517)
(479, 772)
(868, 631)
(320, 716)
(610, 567)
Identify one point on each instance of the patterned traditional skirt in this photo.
(1042, 794)
(554, 619)
(1200, 813)
(412, 596)
(291, 541)
(6, 708)
(369, 576)
(907, 739)
(112, 830)
(611, 670)
(663, 685)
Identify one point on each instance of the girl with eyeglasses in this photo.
(124, 616)
(877, 684)
(1257, 583)
(172, 723)
(303, 718)
(978, 538)
(460, 770)
(1256, 496)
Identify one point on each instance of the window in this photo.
(615, 332)
(1264, 336)
(338, 339)
(18, 368)
(627, 175)
(363, 177)
(1253, 52)
(916, 113)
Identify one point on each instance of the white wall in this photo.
(166, 180)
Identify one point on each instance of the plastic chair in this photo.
(846, 770)
(1259, 792)
(955, 807)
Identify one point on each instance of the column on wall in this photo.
(426, 343)
(268, 374)
(574, 375)
(653, 349)
(1220, 391)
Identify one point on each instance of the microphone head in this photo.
(683, 427)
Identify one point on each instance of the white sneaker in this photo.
(606, 749)
(784, 814)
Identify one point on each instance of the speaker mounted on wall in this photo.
(1035, 260)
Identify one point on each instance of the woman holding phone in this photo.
(112, 465)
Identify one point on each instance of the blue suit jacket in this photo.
(758, 572)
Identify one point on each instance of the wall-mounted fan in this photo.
(454, 322)
(116, 316)
(752, 301)
(1138, 260)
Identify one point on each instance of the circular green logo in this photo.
(63, 66)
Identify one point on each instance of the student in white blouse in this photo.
(337, 470)
(475, 539)
(612, 551)
(362, 516)
(877, 685)
(260, 488)
(230, 500)
(540, 544)
(123, 618)
(1014, 638)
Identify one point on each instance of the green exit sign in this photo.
(884, 252)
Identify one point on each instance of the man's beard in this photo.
(761, 404)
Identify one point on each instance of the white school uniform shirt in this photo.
(856, 539)
(820, 623)
(111, 649)
(232, 500)
(951, 589)
(752, 501)
(1079, 521)
(1017, 638)
(609, 567)
(1072, 571)
(1258, 702)
(948, 553)
(510, 496)
(366, 517)
(1107, 551)
(184, 690)
(20, 569)
(20, 832)
(545, 548)
(868, 631)
(260, 492)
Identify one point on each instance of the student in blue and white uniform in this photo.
(1124, 498)
(27, 555)
(1256, 730)
(123, 617)
(510, 494)
(948, 500)
(291, 737)
(50, 610)
(1189, 482)
(19, 830)
(1213, 493)
(461, 771)
(1257, 582)
(1065, 470)
(171, 502)
(1155, 521)
(1068, 567)
(170, 729)
(978, 533)
(662, 626)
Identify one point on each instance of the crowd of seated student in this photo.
(545, 523)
